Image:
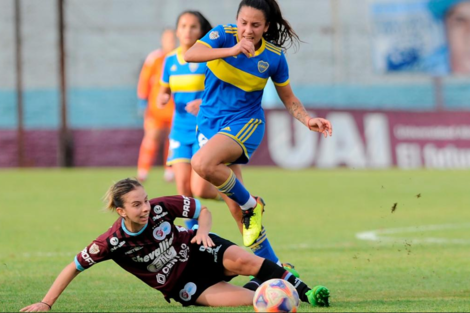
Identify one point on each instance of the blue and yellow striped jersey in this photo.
(234, 85)
(186, 81)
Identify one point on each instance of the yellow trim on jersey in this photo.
(232, 75)
(238, 141)
(162, 83)
(273, 51)
(282, 84)
(261, 48)
(182, 160)
(204, 43)
(180, 57)
(274, 47)
(187, 83)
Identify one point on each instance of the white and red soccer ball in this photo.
(276, 295)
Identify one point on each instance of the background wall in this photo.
(107, 41)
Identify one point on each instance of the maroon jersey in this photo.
(157, 254)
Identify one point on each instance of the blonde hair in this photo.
(115, 193)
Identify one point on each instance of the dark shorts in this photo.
(204, 270)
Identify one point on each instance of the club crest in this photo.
(262, 66)
(214, 35)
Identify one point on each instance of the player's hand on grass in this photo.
(203, 238)
(244, 46)
(320, 125)
(36, 307)
(193, 106)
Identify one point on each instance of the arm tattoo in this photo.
(297, 110)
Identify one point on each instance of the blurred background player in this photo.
(192, 267)
(184, 83)
(157, 120)
(241, 58)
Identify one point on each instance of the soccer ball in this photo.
(276, 295)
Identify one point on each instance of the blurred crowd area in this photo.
(106, 42)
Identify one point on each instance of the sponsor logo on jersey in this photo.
(122, 243)
(158, 209)
(173, 68)
(114, 241)
(87, 257)
(213, 251)
(181, 229)
(188, 291)
(169, 266)
(162, 247)
(214, 35)
(262, 66)
(161, 279)
(162, 260)
(134, 250)
(186, 206)
(94, 249)
(193, 67)
(183, 255)
(161, 231)
(156, 217)
(202, 140)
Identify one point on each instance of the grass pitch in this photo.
(412, 259)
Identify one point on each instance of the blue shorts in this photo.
(181, 152)
(248, 133)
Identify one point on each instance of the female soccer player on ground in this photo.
(157, 121)
(240, 59)
(189, 266)
(185, 82)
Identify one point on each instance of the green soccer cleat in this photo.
(291, 269)
(319, 296)
(252, 223)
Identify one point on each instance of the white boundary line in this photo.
(380, 234)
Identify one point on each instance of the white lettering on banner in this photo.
(187, 203)
(294, 155)
(348, 148)
(437, 132)
(162, 247)
(408, 155)
(87, 257)
(446, 157)
(376, 131)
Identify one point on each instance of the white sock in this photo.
(251, 203)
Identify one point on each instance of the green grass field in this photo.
(418, 260)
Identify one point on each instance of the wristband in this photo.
(50, 308)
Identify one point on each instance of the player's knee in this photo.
(202, 167)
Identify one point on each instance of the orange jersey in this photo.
(149, 87)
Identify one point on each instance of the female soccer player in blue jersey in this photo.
(192, 267)
(240, 60)
(185, 82)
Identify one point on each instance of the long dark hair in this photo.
(279, 31)
(205, 25)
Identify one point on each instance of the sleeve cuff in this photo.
(78, 266)
(282, 84)
(204, 43)
(162, 83)
(198, 208)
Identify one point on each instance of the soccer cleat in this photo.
(291, 269)
(318, 296)
(251, 222)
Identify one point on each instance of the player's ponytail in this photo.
(113, 197)
(279, 32)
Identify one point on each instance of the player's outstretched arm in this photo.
(205, 224)
(59, 285)
(297, 110)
